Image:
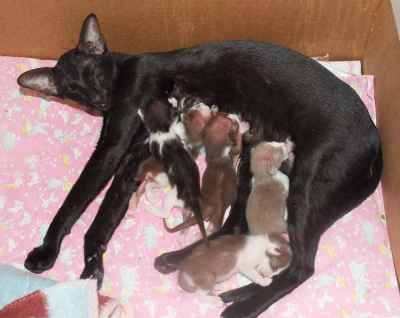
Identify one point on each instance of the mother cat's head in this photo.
(85, 74)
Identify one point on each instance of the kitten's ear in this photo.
(91, 40)
(40, 80)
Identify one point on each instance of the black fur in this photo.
(181, 169)
(280, 92)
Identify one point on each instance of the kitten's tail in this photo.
(180, 227)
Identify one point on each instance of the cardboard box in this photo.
(344, 29)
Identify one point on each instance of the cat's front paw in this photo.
(94, 269)
(242, 309)
(41, 258)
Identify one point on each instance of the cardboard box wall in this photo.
(344, 29)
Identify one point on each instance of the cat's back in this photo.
(299, 78)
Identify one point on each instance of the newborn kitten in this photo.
(194, 122)
(224, 257)
(191, 127)
(150, 167)
(148, 170)
(152, 170)
(266, 209)
(222, 142)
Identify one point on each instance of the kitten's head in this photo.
(220, 136)
(267, 157)
(195, 119)
(85, 74)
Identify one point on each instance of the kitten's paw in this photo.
(212, 228)
(265, 282)
(41, 258)
(168, 262)
(265, 270)
(94, 269)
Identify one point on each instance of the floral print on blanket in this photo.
(43, 148)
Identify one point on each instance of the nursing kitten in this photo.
(194, 121)
(225, 256)
(221, 139)
(190, 129)
(151, 170)
(266, 210)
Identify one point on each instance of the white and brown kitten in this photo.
(266, 210)
(224, 257)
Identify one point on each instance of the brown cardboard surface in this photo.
(47, 28)
(382, 59)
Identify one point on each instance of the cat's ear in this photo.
(39, 79)
(91, 40)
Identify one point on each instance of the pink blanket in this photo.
(43, 148)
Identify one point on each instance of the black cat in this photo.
(279, 91)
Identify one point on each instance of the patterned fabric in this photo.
(43, 148)
(29, 295)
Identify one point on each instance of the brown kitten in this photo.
(266, 206)
(224, 257)
(222, 142)
(194, 122)
(150, 167)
